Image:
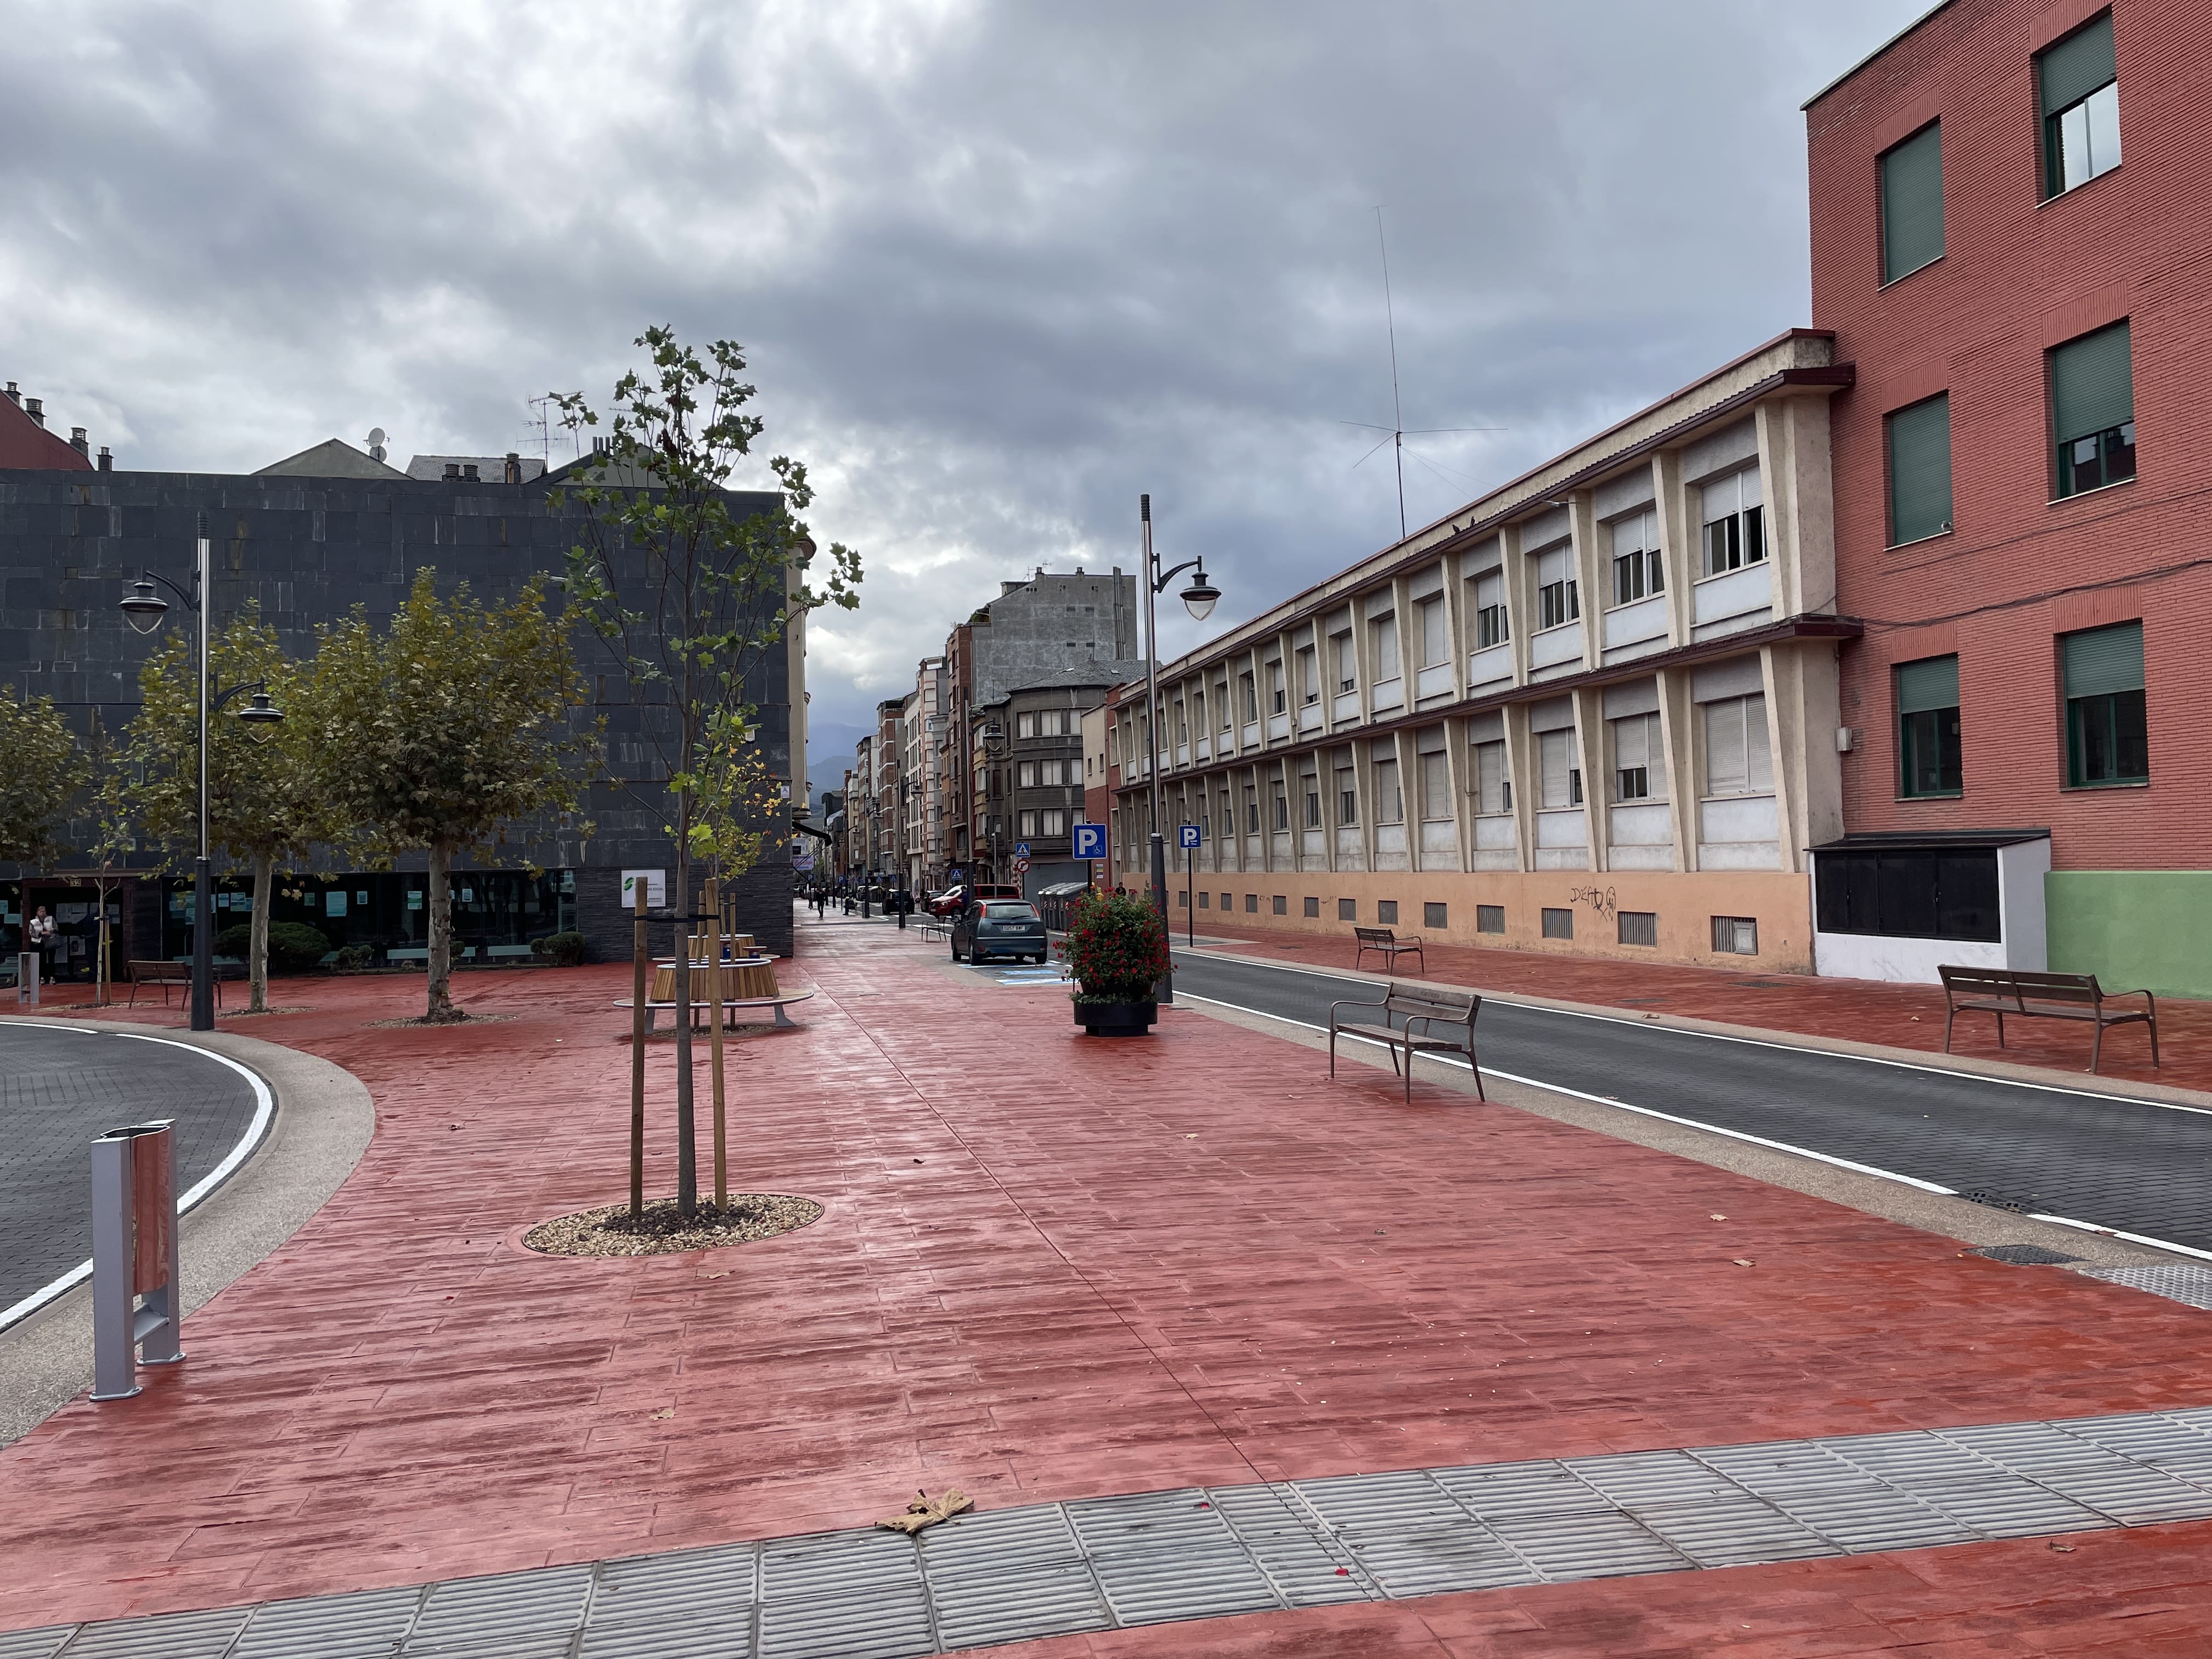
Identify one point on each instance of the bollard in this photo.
(27, 979)
(134, 1255)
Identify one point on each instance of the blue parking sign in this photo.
(1188, 835)
(1090, 841)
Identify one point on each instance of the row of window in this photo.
(2090, 384)
(2100, 684)
(1047, 774)
(2077, 90)
(1051, 821)
(1731, 935)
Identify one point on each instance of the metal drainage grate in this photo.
(1157, 1558)
(1999, 1201)
(2191, 1286)
(2025, 1255)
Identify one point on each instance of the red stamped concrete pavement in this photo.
(1854, 1010)
(2138, 1595)
(1051, 1267)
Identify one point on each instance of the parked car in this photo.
(999, 928)
(953, 900)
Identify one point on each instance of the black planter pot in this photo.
(1116, 1019)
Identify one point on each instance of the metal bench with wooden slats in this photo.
(165, 974)
(1387, 941)
(2002, 991)
(1454, 1010)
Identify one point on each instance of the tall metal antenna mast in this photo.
(1397, 413)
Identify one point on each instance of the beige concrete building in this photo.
(1594, 712)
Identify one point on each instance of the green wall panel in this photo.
(2133, 929)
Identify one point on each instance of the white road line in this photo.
(264, 1113)
(1749, 1043)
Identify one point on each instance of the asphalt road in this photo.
(2128, 1165)
(58, 1089)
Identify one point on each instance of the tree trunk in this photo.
(257, 956)
(441, 1010)
(687, 1147)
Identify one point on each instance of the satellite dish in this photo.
(376, 442)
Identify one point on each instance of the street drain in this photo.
(1998, 1200)
(2025, 1255)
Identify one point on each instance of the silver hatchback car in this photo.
(998, 927)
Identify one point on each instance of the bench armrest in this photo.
(1334, 1006)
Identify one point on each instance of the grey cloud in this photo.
(998, 267)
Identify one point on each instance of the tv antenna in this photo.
(1397, 431)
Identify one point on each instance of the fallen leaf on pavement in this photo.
(2063, 1549)
(1720, 1218)
(926, 1511)
(664, 1413)
(725, 1273)
(1743, 1261)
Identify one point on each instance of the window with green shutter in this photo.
(2092, 411)
(1927, 747)
(2107, 738)
(2077, 83)
(1912, 203)
(1919, 443)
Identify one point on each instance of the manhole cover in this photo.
(2025, 1255)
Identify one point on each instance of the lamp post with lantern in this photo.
(1199, 597)
(145, 609)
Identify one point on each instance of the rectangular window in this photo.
(1386, 912)
(1308, 678)
(1493, 789)
(1735, 936)
(1277, 906)
(1028, 824)
(1382, 640)
(1927, 750)
(1276, 700)
(1435, 789)
(2077, 82)
(1282, 808)
(1221, 702)
(1183, 899)
(1558, 600)
(1347, 909)
(1918, 440)
(1637, 572)
(1025, 726)
(1025, 774)
(1052, 824)
(1227, 901)
(1389, 799)
(1490, 623)
(1912, 203)
(1346, 664)
(1433, 915)
(1347, 797)
(1312, 907)
(1205, 899)
(1558, 924)
(1560, 780)
(1313, 801)
(1639, 927)
(2107, 740)
(2092, 411)
(1436, 639)
(1738, 761)
(1639, 759)
(1251, 698)
(1251, 810)
(1735, 526)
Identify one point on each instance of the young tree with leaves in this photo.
(439, 733)
(42, 770)
(266, 804)
(689, 591)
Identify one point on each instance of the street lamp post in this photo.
(1198, 598)
(144, 610)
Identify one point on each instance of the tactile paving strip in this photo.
(1200, 1552)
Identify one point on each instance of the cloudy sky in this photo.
(998, 266)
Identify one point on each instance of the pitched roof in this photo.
(25, 443)
(330, 459)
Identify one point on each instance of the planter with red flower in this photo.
(1116, 949)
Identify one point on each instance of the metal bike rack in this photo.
(136, 1307)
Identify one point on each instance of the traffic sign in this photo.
(1021, 849)
(1090, 841)
(1021, 866)
(1188, 835)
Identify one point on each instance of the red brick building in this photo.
(25, 442)
(2011, 239)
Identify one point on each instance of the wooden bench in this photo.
(1454, 1011)
(165, 974)
(2002, 991)
(1387, 941)
(783, 1021)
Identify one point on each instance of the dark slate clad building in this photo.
(309, 549)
